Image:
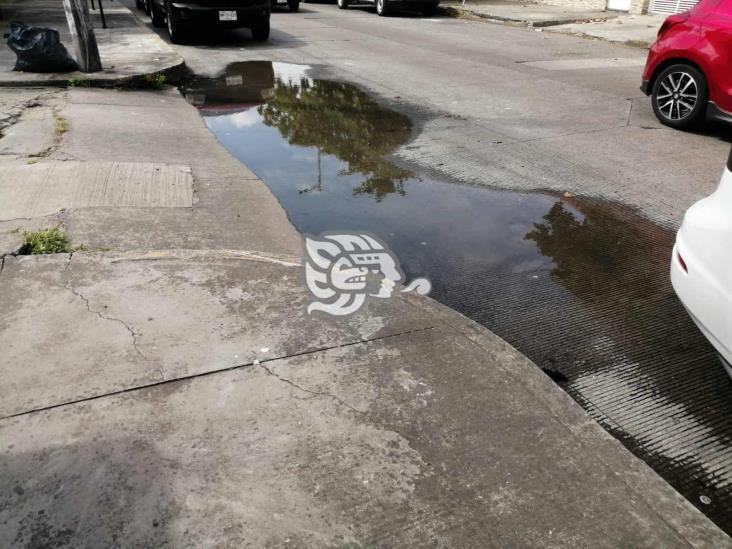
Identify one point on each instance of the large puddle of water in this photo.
(579, 286)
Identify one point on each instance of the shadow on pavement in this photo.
(115, 492)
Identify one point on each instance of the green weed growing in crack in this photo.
(78, 83)
(155, 81)
(47, 241)
(62, 125)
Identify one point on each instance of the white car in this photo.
(701, 267)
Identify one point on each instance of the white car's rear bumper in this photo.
(701, 267)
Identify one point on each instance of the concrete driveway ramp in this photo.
(36, 190)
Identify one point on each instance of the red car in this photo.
(688, 73)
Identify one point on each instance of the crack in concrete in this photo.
(55, 109)
(56, 214)
(133, 334)
(310, 391)
(213, 372)
(630, 112)
(20, 219)
(14, 114)
(2, 264)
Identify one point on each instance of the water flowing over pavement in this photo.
(167, 388)
(578, 285)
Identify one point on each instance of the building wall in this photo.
(639, 7)
(593, 5)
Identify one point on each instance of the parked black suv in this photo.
(386, 7)
(182, 16)
(293, 5)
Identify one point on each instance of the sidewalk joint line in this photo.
(209, 373)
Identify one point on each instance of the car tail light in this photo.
(682, 262)
(672, 20)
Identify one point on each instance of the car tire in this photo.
(342, 4)
(679, 96)
(294, 5)
(176, 31)
(147, 7)
(156, 14)
(382, 8)
(260, 31)
(429, 10)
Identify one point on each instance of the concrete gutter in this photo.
(131, 52)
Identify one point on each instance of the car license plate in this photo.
(227, 16)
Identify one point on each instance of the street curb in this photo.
(173, 69)
(451, 11)
(637, 475)
(172, 73)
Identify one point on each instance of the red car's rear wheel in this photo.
(679, 96)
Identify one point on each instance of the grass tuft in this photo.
(47, 241)
(78, 83)
(155, 81)
(62, 125)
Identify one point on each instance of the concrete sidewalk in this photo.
(169, 389)
(634, 30)
(631, 30)
(128, 49)
(523, 13)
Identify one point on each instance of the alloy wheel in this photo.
(677, 95)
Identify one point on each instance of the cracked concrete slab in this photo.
(45, 329)
(359, 445)
(28, 122)
(35, 190)
(14, 101)
(31, 134)
(110, 322)
(232, 207)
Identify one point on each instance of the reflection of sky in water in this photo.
(433, 226)
(289, 73)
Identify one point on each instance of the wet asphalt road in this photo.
(497, 105)
(469, 118)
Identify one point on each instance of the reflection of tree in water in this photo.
(602, 254)
(342, 121)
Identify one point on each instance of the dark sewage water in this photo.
(578, 285)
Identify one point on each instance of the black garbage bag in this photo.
(38, 49)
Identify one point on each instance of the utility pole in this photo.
(85, 43)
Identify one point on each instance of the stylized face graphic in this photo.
(382, 272)
(342, 270)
